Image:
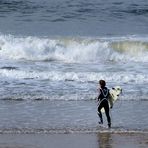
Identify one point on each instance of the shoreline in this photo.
(75, 140)
(94, 130)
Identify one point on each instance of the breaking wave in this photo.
(74, 49)
(75, 76)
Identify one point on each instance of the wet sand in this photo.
(75, 140)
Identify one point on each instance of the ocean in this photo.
(52, 55)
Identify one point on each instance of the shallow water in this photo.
(70, 116)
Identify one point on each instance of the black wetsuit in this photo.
(103, 102)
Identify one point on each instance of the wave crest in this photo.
(73, 49)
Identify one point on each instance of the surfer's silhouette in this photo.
(103, 102)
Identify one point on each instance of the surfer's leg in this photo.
(106, 107)
(100, 114)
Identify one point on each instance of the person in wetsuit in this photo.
(103, 102)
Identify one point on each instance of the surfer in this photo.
(103, 102)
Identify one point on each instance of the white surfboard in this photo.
(113, 97)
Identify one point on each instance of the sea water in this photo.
(52, 55)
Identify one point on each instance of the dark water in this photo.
(79, 17)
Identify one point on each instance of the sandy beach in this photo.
(99, 140)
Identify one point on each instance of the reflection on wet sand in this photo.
(104, 140)
(122, 140)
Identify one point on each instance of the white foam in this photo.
(72, 130)
(74, 49)
(75, 76)
(32, 48)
